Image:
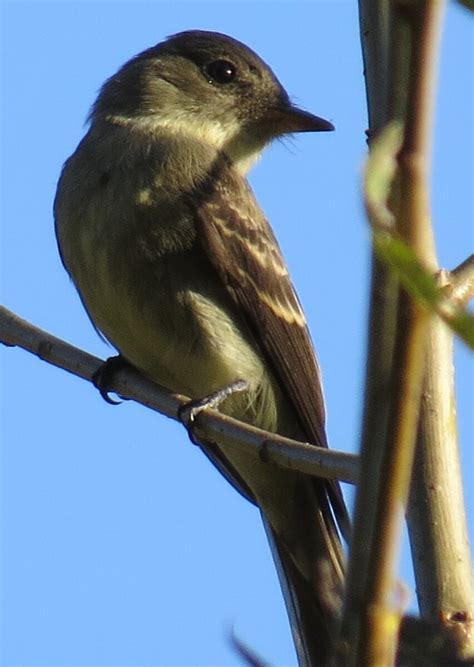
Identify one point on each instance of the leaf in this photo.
(422, 285)
(380, 172)
(379, 179)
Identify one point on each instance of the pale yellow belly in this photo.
(184, 340)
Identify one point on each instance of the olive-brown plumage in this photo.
(177, 266)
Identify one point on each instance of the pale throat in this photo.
(243, 148)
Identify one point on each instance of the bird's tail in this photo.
(313, 607)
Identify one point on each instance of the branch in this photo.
(460, 282)
(370, 623)
(210, 424)
(436, 516)
(375, 32)
(436, 520)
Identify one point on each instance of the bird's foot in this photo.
(104, 376)
(188, 412)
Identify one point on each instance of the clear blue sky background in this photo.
(121, 545)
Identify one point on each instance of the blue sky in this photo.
(121, 545)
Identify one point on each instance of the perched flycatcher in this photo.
(178, 268)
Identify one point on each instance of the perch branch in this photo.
(212, 425)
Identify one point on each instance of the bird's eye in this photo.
(220, 71)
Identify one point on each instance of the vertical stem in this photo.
(379, 628)
(370, 626)
(375, 37)
(436, 517)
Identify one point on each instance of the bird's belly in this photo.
(186, 339)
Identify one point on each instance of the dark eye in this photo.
(220, 71)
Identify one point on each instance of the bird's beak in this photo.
(289, 119)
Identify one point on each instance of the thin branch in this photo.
(375, 33)
(436, 517)
(370, 623)
(460, 282)
(210, 424)
(433, 571)
(377, 639)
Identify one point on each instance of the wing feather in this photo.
(240, 244)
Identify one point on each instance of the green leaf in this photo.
(421, 284)
(380, 172)
(380, 177)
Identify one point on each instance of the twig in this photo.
(375, 36)
(436, 516)
(370, 624)
(274, 449)
(437, 523)
(460, 281)
(377, 639)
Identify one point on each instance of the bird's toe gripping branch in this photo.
(188, 412)
(104, 376)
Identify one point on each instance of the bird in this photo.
(179, 269)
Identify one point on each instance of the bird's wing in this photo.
(240, 244)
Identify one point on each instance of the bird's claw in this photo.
(188, 412)
(104, 375)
